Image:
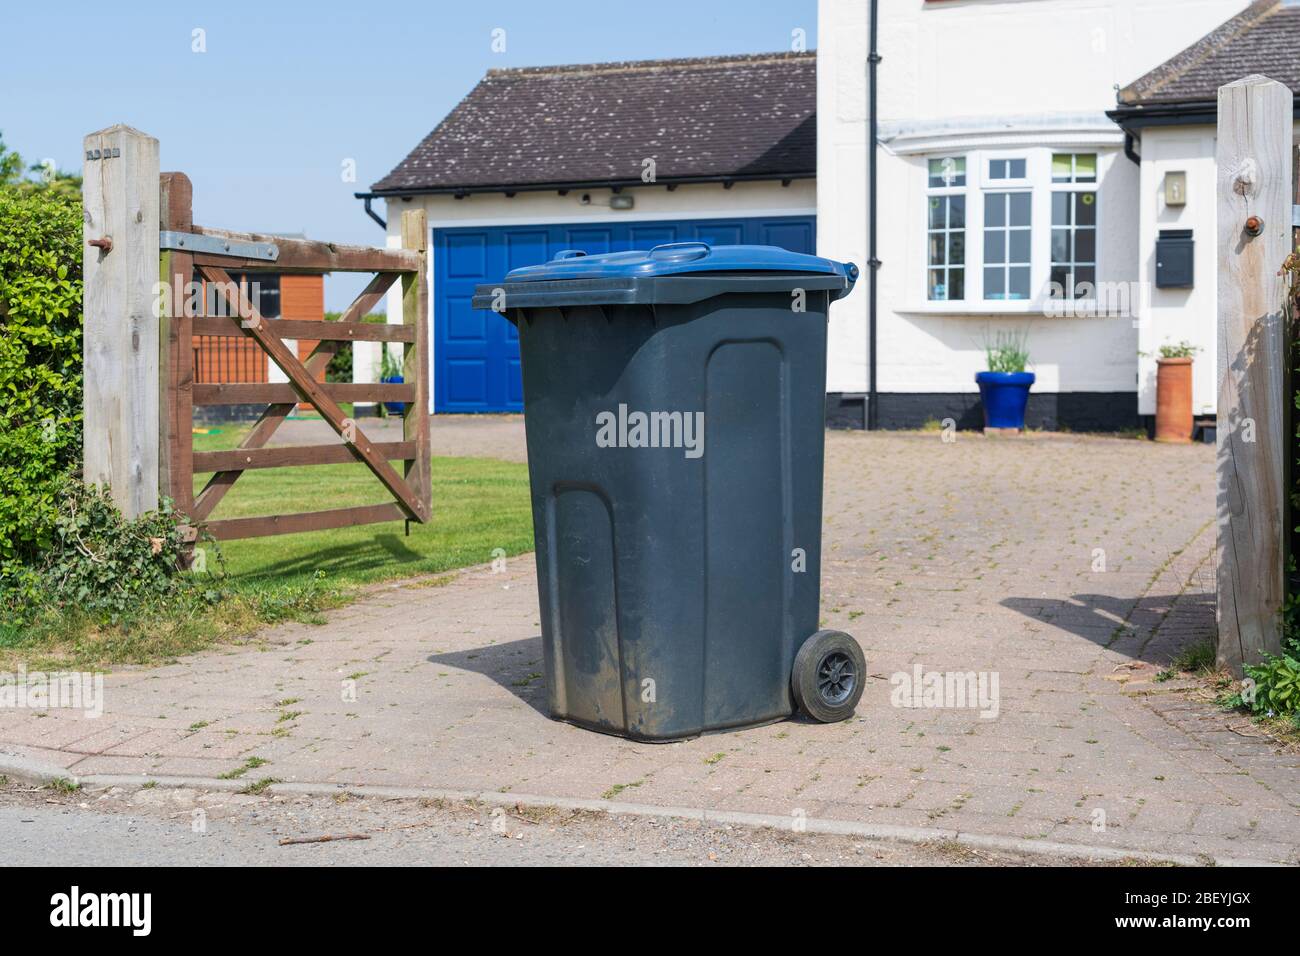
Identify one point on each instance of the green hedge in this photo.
(40, 369)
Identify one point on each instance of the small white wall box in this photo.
(1174, 255)
(1176, 188)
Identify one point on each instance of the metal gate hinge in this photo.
(218, 246)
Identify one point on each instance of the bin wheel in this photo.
(829, 671)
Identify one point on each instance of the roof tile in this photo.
(737, 116)
(1263, 38)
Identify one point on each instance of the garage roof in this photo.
(708, 119)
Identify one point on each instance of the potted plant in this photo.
(1174, 392)
(1004, 388)
(390, 372)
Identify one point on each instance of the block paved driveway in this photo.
(979, 555)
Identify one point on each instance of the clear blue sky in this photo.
(263, 120)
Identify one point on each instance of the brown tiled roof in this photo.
(1263, 38)
(744, 117)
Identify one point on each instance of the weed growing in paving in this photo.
(252, 763)
(259, 786)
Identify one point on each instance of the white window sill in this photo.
(975, 307)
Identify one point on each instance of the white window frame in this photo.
(1038, 182)
(933, 192)
(1010, 184)
(1093, 187)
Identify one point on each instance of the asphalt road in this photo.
(162, 827)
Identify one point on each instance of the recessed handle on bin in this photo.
(568, 254)
(681, 251)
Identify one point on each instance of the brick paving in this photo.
(1074, 568)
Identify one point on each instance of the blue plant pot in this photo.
(1004, 395)
(394, 408)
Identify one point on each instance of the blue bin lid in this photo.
(679, 258)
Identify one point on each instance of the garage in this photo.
(476, 354)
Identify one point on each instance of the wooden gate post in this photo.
(415, 359)
(1254, 238)
(120, 338)
(176, 356)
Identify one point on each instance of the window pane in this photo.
(1060, 279)
(948, 171)
(956, 212)
(1020, 203)
(937, 206)
(1085, 209)
(1061, 167)
(994, 283)
(1061, 245)
(995, 209)
(957, 248)
(1086, 274)
(938, 291)
(1060, 209)
(997, 169)
(995, 245)
(956, 283)
(1019, 283)
(1085, 168)
(1085, 245)
(1019, 246)
(1016, 168)
(936, 249)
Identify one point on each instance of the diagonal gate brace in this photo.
(222, 481)
(312, 392)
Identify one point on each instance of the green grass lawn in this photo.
(479, 505)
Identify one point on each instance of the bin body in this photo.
(675, 456)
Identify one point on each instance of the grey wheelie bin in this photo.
(674, 403)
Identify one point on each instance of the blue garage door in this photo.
(476, 354)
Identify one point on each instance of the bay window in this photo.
(1032, 230)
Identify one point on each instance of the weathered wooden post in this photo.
(120, 338)
(1254, 237)
(415, 361)
(175, 359)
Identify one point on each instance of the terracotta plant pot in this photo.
(1174, 399)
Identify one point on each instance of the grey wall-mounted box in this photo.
(1174, 258)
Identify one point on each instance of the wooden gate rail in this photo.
(187, 257)
(308, 256)
(261, 393)
(296, 328)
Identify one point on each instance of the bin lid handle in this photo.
(568, 254)
(680, 251)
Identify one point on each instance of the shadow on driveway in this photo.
(516, 666)
(1142, 630)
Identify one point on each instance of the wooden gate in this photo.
(143, 246)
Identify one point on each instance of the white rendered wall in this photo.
(993, 74)
(1177, 315)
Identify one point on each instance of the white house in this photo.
(998, 173)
